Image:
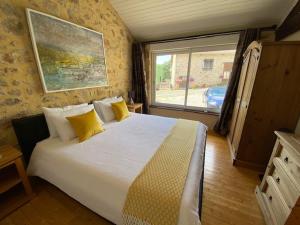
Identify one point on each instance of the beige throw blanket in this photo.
(154, 197)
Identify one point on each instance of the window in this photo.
(180, 83)
(208, 64)
(170, 80)
(227, 68)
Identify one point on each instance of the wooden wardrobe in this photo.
(268, 99)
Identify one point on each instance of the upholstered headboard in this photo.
(30, 130)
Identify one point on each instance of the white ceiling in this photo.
(158, 19)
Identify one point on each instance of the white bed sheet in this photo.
(99, 171)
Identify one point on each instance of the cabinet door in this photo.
(245, 99)
(239, 94)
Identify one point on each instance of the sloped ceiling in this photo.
(159, 19)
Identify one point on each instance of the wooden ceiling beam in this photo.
(291, 24)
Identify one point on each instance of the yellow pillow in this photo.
(120, 110)
(85, 125)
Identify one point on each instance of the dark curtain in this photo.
(246, 37)
(139, 76)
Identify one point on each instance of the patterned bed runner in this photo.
(154, 197)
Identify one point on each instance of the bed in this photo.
(99, 171)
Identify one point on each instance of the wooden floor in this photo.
(228, 191)
(228, 197)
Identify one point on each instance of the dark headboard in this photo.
(30, 130)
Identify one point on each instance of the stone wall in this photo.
(21, 90)
(199, 76)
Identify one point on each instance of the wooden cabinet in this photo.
(12, 172)
(268, 99)
(279, 192)
(136, 107)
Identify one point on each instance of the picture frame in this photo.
(68, 56)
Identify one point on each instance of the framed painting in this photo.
(68, 56)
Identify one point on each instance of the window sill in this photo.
(185, 110)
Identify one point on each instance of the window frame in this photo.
(188, 51)
(208, 68)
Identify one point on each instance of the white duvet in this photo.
(99, 171)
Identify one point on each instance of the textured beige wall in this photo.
(21, 90)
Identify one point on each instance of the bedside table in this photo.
(12, 172)
(136, 107)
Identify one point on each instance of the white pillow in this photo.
(63, 126)
(103, 108)
(48, 112)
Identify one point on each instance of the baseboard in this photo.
(253, 166)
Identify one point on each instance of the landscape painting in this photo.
(68, 56)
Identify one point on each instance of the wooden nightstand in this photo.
(136, 107)
(12, 172)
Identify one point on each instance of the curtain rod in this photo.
(204, 35)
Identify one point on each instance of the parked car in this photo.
(215, 96)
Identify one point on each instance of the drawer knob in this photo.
(286, 159)
(270, 198)
(278, 180)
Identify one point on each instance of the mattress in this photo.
(99, 171)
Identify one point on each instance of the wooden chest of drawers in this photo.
(279, 193)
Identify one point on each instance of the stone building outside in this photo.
(207, 70)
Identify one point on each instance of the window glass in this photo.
(207, 88)
(194, 78)
(170, 78)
